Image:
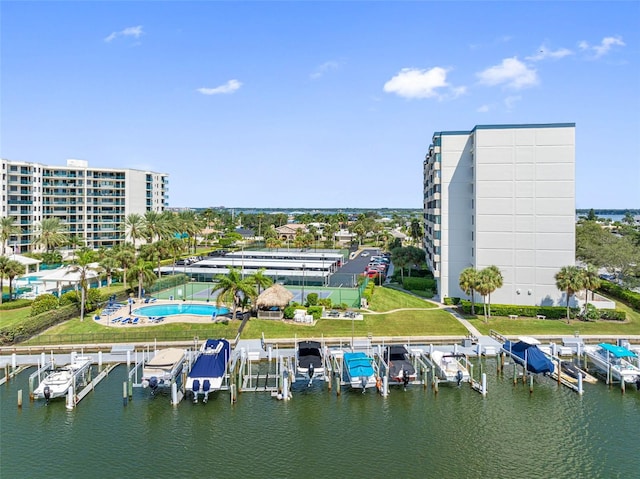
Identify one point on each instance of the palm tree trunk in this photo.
(489, 297)
(82, 300)
(568, 296)
(473, 304)
(140, 286)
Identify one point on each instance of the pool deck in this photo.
(123, 312)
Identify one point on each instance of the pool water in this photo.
(174, 309)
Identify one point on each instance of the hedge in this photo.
(315, 311)
(628, 297)
(16, 304)
(550, 312)
(36, 324)
(43, 303)
(419, 284)
(450, 301)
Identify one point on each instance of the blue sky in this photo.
(315, 104)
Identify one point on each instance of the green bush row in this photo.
(16, 304)
(419, 284)
(450, 301)
(36, 324)
(628, 297)
(551, 312)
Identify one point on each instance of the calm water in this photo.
(457, 434)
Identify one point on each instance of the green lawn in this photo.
(530, 326)
(385, 321)
(387, 299)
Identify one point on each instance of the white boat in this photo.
(209, 369)
(360, 370)
(58, 382)
(163, 368)
(309, 360)
(452, 368)
(616, 358)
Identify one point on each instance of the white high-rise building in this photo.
(501, 195)
(91, 203)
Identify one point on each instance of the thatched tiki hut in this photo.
(272, 302)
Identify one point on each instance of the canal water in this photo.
(552, 433)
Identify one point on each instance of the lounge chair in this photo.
(153, 300)
(147, 300)
(125, 320)
(135, 321)
(97, 317)
(116, 320)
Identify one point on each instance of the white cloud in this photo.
(483, 109)
(605, 45)
(416, 83)
(544, 52)
(229, 87)
(511, 72)
(135, 32)
(324, 68)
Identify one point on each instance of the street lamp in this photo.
(303, 265)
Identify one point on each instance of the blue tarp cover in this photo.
(211, 365)
(618, 351)
(537, 361)
(358, 364)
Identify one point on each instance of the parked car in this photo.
(364, 254)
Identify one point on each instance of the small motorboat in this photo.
(310, 360)
(162, 369)
(617, 359)
(451, 368)
(401, 369)
(209, 369)
(360, 370)
(526, 353)
(57, 383)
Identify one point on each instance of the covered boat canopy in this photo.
(212, 362)
(536, 360)
(618, 351)
(358, 364)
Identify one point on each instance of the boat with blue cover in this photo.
(618, 359)
(526, 353)
(360, 370)
(209, 369)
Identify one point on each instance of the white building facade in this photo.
(92, 203)
(501, 195)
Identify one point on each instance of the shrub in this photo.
(326, 302)
(16, 304)
(43, 303)
(626, 296)
(419, 284)
(612, 314)
(93, 299)
(450, 301)
(551, 312)
(36, 324)
(70, 297)
(315, 311)
(312, 299)
(289, 312)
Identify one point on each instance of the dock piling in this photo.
(174, 393)
(125, 397)
(14, 361)
(580, 390)
(99, 360)
(530, 383)
(19, 398)
(484, 384)
(71, 399)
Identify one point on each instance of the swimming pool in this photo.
(174, 309)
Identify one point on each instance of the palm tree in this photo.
(232, 287)
(49, 234)
(108, 263)
(569, 280)
(260, 280)
(416, 230)
(468, 280)
(483, 287)
(134, 226)
(142, 271)
(125, 256)
(591, 281)
(4, 268)
(83, 265)
(12, 269)
(494, 281)
(8, 228)
(157, 226)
